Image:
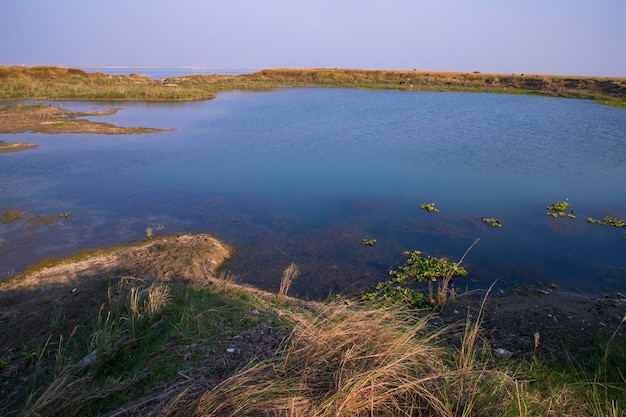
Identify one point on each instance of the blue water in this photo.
(304, 175)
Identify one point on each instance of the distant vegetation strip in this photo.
(44, 83)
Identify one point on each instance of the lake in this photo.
(305, 174)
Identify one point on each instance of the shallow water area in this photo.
(304, 175)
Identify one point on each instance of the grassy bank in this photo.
(71, 84)
(168, 344)
(54, 83)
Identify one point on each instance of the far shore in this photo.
(48, 83)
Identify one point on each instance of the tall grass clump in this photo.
(342, 363)
(289, 274)
(368, 362)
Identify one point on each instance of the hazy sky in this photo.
(578, 37)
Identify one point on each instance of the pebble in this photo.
(502, 353)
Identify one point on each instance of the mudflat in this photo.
(55, 120)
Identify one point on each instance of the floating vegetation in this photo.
(66, 214)
(417, 269)
(429, 207)
(558, 208)
(559, 205)
(369, 242)
(608, 221)
(493, 222)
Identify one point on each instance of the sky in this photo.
(568, 37)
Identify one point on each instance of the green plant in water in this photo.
(608, 221)
(558, 208)
(429, 207)
(369, 242)
(148, 233)
(493, 222)
(418, 269)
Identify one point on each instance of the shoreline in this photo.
(6, 147)
(80, 284)
(49, 311)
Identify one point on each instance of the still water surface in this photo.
(304, 175)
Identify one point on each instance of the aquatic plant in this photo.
(148, 233)
(559, 205)
(493, 222)
(369, 242)
(429, 207)
(558, 208)
(608, 221)
(417, 269)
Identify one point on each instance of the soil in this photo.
(524, 322)
(54, 120)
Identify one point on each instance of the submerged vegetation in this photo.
(45, 83)
(369, 242)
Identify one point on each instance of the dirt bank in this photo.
(554, 324)
(77, 288)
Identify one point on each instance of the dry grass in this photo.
(289, 274)
(342, 361)
(362, 362)
(45, 83)
(60, 83)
